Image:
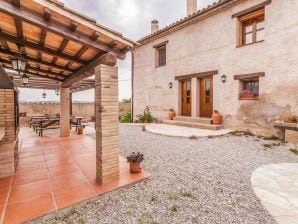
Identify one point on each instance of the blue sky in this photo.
(130, 17)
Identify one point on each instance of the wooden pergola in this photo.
(62, 48)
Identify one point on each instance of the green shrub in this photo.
(126, 118)
(146, 117)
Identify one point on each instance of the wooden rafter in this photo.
(29, 67)
(95, 36)
(109, 59)
(38, 47)
(37, 21)
(73, 26)
(16, 3)
(81, 51)
(38, 61)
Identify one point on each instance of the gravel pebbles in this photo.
(192, 181)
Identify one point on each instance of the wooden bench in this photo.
(40, 130)
(290, 131)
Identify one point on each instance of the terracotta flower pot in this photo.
(135, 167)
(247, 96)
(171, 115)
(216, 118)
(291, 121)
(80, 130)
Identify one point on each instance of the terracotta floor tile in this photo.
(67, 181)
(24, 154)
(28, 210)
(30, 191)
(31, 160)
(59, 162)
(74, 195)
(27, 168)
(62, 170)
(31, 149)
(3, 196)
(22, 178)
(57, 156)
(5, 182)
(54, 150)
(63, 167)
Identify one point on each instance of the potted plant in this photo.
(246, 94)
(80, 130)
(171, 114)
(93, 118)
(216, 117)
(292, 119)
(134, 160)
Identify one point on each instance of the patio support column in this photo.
(107, 126)
(64, 112)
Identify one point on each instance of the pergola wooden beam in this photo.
(35, 20)
(108, 59)
(38, 61)
(16, 3)
(29, 67)
(38, 47)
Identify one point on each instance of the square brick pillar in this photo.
(107, 124)
(64, 112)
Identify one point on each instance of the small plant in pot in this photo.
(171, 114)
(292, 119)
(216, 117)
(134, 160)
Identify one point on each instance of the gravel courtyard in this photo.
(192, 181)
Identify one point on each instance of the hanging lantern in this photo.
(25, 79)
(44, 95)
(18, 64)
(57, 92)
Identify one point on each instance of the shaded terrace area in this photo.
(54, 173)
(57, 48)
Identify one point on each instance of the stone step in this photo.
(197, 120)
(193, 125)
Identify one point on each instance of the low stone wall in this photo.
(79, 109)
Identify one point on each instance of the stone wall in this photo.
(210, 44)
(79, 109)
(9, 144)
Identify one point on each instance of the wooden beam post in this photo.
(107, 59)
(107, 127)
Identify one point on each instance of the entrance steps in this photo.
(191, 122)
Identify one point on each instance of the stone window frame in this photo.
(160, 48)
(252, 19)
(253, 77)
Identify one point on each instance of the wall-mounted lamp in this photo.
(224, 78)
(44, 95)
(170, 85)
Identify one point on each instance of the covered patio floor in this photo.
(54, 173)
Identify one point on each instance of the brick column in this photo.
(64, 112)
(107, 127)
(8, 145)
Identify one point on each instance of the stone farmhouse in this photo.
(239, 57)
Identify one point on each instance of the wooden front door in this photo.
(186, 97)
(206, 96)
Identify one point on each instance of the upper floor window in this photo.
(161, 56)
(252, 28)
